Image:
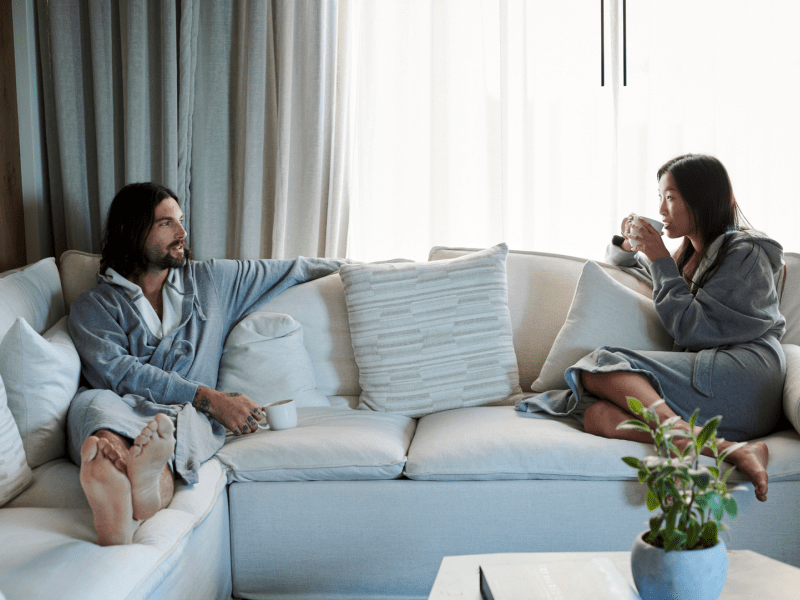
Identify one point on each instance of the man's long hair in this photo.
(128, 223)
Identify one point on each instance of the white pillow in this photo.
(42, 373)
(432, 336)
(264, 358)
(15, 474)
(34, 293)
(603, 313)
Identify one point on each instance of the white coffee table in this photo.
(750, 575)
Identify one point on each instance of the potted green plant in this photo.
(681, 555)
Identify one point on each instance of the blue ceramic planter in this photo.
(678, 575)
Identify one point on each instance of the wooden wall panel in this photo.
(12, 224)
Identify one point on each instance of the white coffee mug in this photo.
(657, 225)
(280, 415)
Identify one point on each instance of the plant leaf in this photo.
(708, 431)
(730, 449)
(730, 506)
(692, 534)
(674, 541)
(652, 501)
(634, 425)
(709, 533)
(632, 461)
(634, 404)
(693, 418)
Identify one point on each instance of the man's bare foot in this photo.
(752, 460)
(108, 491)
(146, 461)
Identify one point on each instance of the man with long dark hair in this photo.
(150, 337)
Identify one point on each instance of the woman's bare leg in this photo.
(601, 418)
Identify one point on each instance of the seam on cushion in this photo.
(348, 466)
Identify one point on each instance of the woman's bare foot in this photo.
(108, 491)
(147, 457)
(752, 460)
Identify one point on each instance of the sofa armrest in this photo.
(791, 387)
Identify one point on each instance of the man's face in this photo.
(165, 246)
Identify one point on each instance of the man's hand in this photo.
(233, 410)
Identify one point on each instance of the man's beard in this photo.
(158, 261)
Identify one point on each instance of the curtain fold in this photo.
(235, 106)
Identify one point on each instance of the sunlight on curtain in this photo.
(482, 121)
(721, 78)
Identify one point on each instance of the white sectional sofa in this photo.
(352, 503)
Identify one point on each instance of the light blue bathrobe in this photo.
(727, 358)
(134, 375)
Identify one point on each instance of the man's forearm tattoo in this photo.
(202, 403)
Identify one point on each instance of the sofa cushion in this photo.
(497, 442)
(15, 474)
(327, 444)
(432, 336)
(265, 359)
(42, 373)
(33, 293)
(603, 313)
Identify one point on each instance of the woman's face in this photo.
(677, 217)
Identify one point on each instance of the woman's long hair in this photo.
(128, 223)
(706, 189)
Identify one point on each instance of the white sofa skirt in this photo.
(386, 539)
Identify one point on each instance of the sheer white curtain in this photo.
(239, 107)
(482, 121)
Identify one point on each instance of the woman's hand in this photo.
(649, 240)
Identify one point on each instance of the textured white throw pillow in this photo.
(15, 474)
(265, 359)
(603, 313)
(432, 336)
(41, 373)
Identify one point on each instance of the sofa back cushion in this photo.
(33, 293)
(319, 306)
(78, 274)
(789, 293)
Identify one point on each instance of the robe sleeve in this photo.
(634, 263)
(242, 285)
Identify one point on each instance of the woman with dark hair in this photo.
(717, 297)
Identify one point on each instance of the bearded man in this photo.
(150, 336)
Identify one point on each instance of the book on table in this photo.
(592, 578)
